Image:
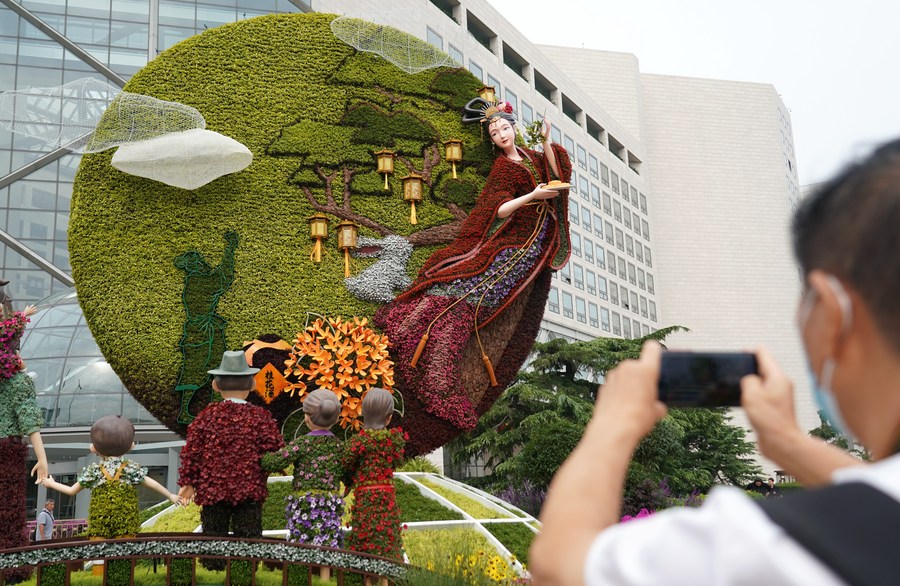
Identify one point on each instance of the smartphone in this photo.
(704, 379)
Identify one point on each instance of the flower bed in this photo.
(461, 554)
(469, 505)
(516, 537)
(414, 506)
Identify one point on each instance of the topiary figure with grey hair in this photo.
(314, 510)
(369, 464)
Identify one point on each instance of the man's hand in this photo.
(768, 399)
(628, 403)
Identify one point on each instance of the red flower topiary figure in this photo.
(369, 463)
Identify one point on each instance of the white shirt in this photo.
(729, 541)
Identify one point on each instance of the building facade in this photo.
(679, 203)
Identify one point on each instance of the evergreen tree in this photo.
(533, 426)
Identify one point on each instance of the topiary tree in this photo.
(312, 110)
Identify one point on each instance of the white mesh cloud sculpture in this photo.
(67, 115)
(410, 54)
(188, 159)
(159, 140)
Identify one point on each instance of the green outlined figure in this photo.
(203, 339)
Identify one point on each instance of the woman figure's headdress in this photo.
(481, 110)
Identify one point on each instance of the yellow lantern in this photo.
(412, 192)
(453, 152)
(385, 163)
(347, 234)
(486, 93)
(318, 231)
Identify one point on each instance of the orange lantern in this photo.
(318, 231)
(347, 235)
(412, 192)
(487, 93)
(385, 163)
(453, 152)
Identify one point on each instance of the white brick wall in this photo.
(721, 211)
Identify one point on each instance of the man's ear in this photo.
(93, 449)
(215, 385)
(827, 320)
(132, 446)
(388, 420)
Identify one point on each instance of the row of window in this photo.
(587, 280)
(584, 247)
(592, 223)
(628, 193)
(597, 316)
(577, 153)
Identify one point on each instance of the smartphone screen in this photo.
(704, 379)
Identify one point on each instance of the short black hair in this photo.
(850, 228)
(228, 382)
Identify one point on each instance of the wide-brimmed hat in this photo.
(234, 363)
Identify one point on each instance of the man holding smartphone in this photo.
(847, 242)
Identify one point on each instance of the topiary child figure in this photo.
(369, 464)
(314, 511)
(221, 459)
(113, 511)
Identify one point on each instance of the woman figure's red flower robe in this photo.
(494, 264)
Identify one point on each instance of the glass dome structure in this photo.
(75, 384)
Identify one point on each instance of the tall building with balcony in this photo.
(681, 192)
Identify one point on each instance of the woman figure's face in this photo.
(502, 134)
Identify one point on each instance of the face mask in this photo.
(821, 385)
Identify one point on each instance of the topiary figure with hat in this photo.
(220, 462)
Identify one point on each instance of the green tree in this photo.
(830, 435)
(558, 386)
(536, 423)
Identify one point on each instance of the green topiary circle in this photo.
(309, 107)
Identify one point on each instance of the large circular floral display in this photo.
(169, 278)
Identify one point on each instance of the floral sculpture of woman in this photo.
(514, 236)
(20, 416)
(369, 464)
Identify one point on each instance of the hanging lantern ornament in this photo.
(412, 192)
(318, 231)
(347, 235)
(453, 152)
(487, 93)
(385, 164)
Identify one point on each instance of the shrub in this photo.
(146, 514)
(469, 505)
(181, 520)
(273, 507)
(515, 537)
(546, 450)
(419, 464)
(524, 495)
(415, 507)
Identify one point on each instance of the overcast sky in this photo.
(835, 64)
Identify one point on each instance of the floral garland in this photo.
(11, 329)
(277, 550)
(345, 357)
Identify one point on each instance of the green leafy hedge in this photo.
(415, 507)
(515, 537)
(305, 104)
